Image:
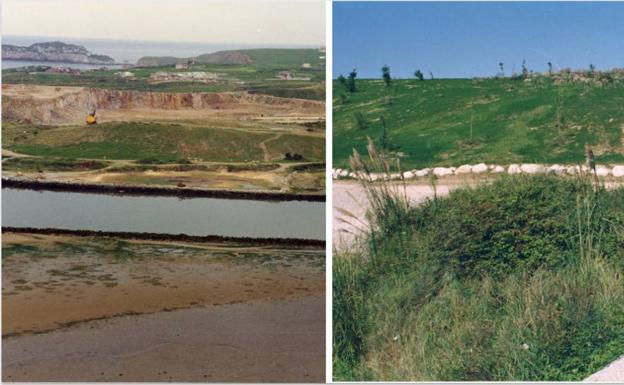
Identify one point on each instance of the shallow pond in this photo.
(165, 215)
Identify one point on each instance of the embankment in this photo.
(247, 241)
(159, 191)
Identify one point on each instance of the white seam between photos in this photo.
(328, 191)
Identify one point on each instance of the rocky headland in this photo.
(54, 51)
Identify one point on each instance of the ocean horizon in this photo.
(129, 51)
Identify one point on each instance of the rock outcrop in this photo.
(54, 51)
(62, 105)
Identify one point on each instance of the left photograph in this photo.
(163, 191)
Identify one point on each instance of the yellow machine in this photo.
(91, 119)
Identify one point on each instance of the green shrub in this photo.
(521, 279)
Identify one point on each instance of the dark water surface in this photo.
(165, 215)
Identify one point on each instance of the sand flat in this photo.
(258, 341)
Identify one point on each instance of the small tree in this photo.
(360, 120)
(525, 70)
(342, 80)
(384, 134)
(419, 75)
(351, 81)
(385, 73)
(549, 68)
(501, 67)
(592, 69)
(431, 75)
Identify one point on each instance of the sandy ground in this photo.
(612, 373)
(243, 180)
(76, 307)
(279, 179)
(260, 341)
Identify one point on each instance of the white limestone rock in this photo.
(442, 171)
(530, 168)
(513, 169)
(423, 172)
(618, 171)
(479, 168)
(464, 169)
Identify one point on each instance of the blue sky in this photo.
(470, 39)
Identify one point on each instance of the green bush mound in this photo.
(51, 164)
(521, 279)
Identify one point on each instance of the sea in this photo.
(125, 51)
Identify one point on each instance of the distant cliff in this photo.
(54, 51)
(221, 57)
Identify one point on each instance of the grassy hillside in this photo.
(519, 280)
(259, 76)
(165, 142)
(429, 122)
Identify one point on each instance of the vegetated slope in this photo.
(285, 58)
(519, 280)
(165, 142)
(429, 122)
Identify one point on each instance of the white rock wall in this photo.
(615, 171)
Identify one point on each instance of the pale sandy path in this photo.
(349, 195)
(614, 372)
(261, 341)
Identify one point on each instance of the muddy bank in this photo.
(261, 341)
(248, 241)
(158, 191)
(52, 282)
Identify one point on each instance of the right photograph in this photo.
(478, 191)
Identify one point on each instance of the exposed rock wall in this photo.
(71, 103)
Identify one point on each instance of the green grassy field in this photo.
(520, 280)
(160, 141)
(451, 122)
(259, 76)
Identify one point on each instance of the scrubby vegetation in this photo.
(151, 142)
(51, 164)
(450, 122)
(522, 279)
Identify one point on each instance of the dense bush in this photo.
(517, 280)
